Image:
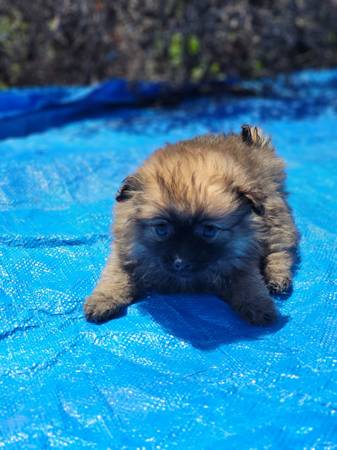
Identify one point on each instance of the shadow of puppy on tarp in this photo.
(204, 321)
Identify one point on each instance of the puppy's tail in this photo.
(255, 136)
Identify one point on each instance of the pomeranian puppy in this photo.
(207, 215)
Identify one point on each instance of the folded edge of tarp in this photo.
(17, 101)
(22, 109)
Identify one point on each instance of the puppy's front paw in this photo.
(277, 272)
(259, 311)
(279, 285)
(99, 308)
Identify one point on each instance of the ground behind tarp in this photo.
(174, 372)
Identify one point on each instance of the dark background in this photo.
(84, 41)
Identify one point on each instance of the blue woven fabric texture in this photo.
(174, 372)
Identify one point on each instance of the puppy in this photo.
(204, 215)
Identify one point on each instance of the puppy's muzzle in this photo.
(181, 266)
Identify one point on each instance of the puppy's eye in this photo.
(207, 231)
(162, 229)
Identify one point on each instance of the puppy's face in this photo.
(187, 245)
(187, 219)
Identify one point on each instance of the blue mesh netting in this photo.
(174, 372)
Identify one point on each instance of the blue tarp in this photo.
(174, 372)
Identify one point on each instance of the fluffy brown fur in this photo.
(204, 215)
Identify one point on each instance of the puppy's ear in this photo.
(254, 199)
(130, 185)
(254, 136)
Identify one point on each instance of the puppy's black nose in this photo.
(180, 265)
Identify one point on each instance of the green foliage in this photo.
(215, 68)
(197, 74)
(193, 45)
(12, 28)
(13, 33)
(332, 37)
(176, 50)
(257, 67)
(83, 41)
